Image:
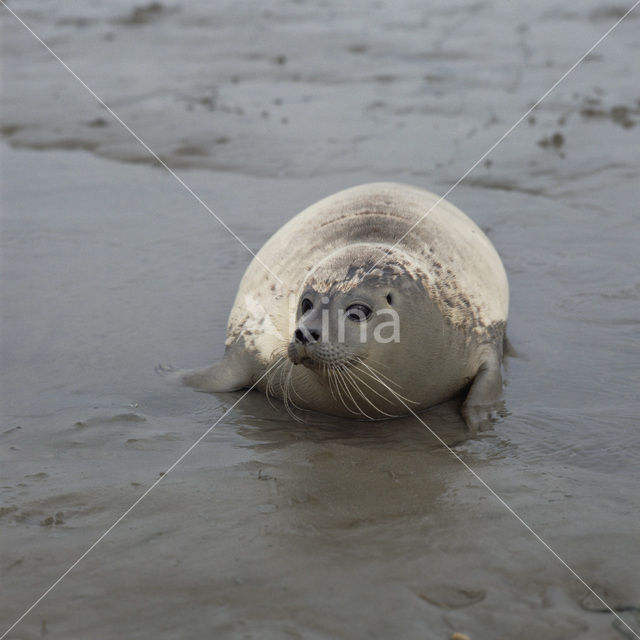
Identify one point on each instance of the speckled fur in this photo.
(458, 300)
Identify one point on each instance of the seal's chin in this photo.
(299, 355)
(310, 363)
(296, 353)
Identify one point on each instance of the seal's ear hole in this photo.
(389, 299)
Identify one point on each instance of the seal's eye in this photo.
(358, 312)
(307, 305)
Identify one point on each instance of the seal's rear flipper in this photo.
(484, 395)
(231, 373)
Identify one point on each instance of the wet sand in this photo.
(271, 528)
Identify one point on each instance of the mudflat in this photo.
(329, 528)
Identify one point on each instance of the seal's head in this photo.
(334, 327)
(350, 315)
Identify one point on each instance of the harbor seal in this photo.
(362, 306)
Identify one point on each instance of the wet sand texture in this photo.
(326, 529)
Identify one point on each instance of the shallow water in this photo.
(270, 528)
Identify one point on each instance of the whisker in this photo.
(333, 373)
(352, 372)
(290, 387)
(269, 389)
(360, 360)
(341, 383)
(353, 379)
(293, 387)
(284, 392)
(327, 373)
(370, 359)
(355, 368)
(342, 369)
(373, 373)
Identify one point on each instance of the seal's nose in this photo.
(303, 337)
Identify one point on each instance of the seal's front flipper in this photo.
(484, 395)
(229, 374)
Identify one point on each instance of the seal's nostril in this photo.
(304, 337)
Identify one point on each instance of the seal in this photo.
(379, 300)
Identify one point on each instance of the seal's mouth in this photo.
(319, 363)
(321, 357)
(307, 361)
(295, 354)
